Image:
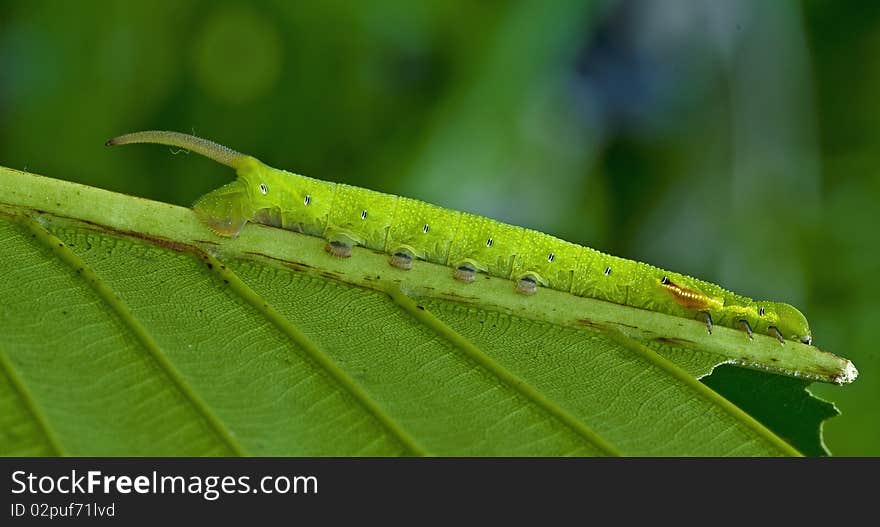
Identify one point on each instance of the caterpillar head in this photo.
(791, 323)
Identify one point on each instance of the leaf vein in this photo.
(701, 390)
(238, 287)
(124, 314)
(31, 404)
(508, 378)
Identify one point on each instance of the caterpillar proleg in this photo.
(408, 230)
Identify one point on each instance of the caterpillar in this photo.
(409, 230)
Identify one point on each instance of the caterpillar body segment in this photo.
(485, 245)
(362, 215)
(548, 259)
(604, 277)
(304, 203)
(424, 229)
(409, 230)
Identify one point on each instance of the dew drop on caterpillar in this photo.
(409, 230)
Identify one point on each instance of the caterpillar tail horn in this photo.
(209, 149)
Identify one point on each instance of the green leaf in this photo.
(795, 414)
(127, 328)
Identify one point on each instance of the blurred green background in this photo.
(734, 141)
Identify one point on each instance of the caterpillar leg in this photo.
(527, 285)
(270, 217)
(709, 325)
(777, 334)
(338, 249)
(748, 329)
(402, 259)
(465, 272)
(340, 241)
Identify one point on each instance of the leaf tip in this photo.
(848, 374)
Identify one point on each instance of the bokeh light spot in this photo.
(237, 55)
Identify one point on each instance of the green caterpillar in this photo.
(409, 230)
